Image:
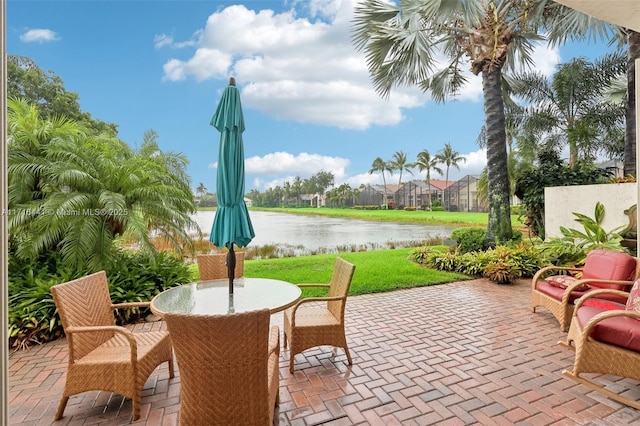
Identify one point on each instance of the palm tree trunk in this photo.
(384, 182)
(499, 225)
(429, 190)
(446, 188)
(633, 42)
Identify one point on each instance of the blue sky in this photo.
(306, 94)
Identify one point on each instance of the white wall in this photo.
(562, 201)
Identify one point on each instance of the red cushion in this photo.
(603, 304)
(622, 332)
(557, 292)
(609, 265)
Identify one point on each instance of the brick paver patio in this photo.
(462, 353)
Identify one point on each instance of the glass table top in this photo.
(212, 297)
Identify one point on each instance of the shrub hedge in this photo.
(133, 277)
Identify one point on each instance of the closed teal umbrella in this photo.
(232, 224)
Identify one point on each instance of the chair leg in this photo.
(61, 407)
(291, 357)
(135, 409)
(346, 351)
(171, 368)
(285, 339)
(606, 392)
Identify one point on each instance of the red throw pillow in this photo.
(633, 302)
(564, 281)
(605, 305)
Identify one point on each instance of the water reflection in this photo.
(312, 234)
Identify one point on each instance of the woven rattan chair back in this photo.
(319, 321)
(103, 356)
(339, 287)
(81, 303)
(214, 266)
(223, 367)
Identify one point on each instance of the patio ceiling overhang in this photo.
(624, 13)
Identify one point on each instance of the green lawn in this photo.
(376, 271)
(418, 216)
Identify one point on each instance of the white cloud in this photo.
(291, 67)
(304, 165)
(39, 35)
(546, 58)
(476, 162)
(300, 65)
(162, 40)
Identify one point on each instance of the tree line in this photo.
(425, 162)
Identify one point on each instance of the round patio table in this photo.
(213, 298)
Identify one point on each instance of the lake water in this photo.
(309, 234)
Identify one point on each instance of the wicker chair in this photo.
(602, 269)
(606, 338)
(103, 356)
(214, 266)
(229, 372)
(308, 323)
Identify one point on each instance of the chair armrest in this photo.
(313, 285)
(605, 315)
(274, 341)
(595, 294)
(572, 286)
(538, 276)
(102, 328)
(309, 300)
(130, 305)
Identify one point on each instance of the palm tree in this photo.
(201, 190)
(568, 110)
(403, 45)
(569, 24)
(76, 194)
(450, 158)
(633, 53)
(399, 162)
(424, 161)
(379, 165)
(296, 189)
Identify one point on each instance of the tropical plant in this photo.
(630, 146)
(133, 277)
(569, 24)
(593, 235)
(569, 110)
(77, 193)
(501, 264)
(450, 158)
(551, 171)
(400, 163)
(425, 162)
(573, 246)
(469, 239)
(379, 165)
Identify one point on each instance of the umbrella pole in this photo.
(231, 267)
